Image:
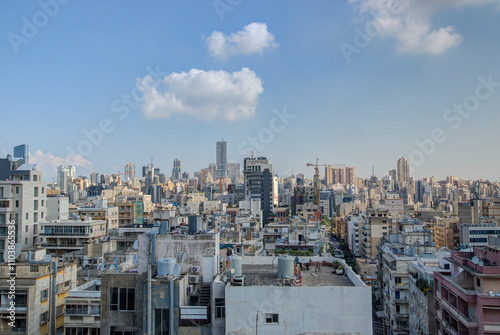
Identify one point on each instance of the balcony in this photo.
(469, 323)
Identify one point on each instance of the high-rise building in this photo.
(403, 170)
(221, 159)
(94, 178)
(234, 170)
(259, 182)
(129, 172)
(176, 170)
(21, 151)
(349, 174)
(335, 175)
(65, 175)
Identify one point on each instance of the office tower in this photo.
(94, 178)
(403, 170)
(221, 159)
(21, 151)
(234, 170)
(349, 174)
(129, 172)
(258, 174)
(393, 174)
(65, 175)
(176, 170)
(212, 170)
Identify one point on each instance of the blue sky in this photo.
(72, 73)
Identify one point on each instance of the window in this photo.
(1, 192)
(35, 191)
(17, 203)
(42, 203)
(161, 321)
(33, 268)
(59, 310)
(44, 318)
(59, 288)
(26, 241)
(44, 295)
(27, 216)
(26, 228)
(272, 318)
(4, 204)
(122, 299)
(17, 189)
(478, 282)
(35, 205)
(77, 309)
(41, 215)
(43, 190)
(35, 217)
(67, 283)
(220, 308)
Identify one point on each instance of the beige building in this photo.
(376, 226)
(446, 232)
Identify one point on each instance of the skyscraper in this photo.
(403, 170)
(65, 174)
(176, 170)
(21, 151)
(259, 182)
(221, 159)
(349, 174)
(94, 178)
(129, 172)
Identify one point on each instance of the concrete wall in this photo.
(325, 310)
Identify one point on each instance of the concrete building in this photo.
(446, 232)
(23, 200)
(374, 228)
(403, 171)
(259, 182)
(60, 237)
(57, 208)
(268, 304)
(129, 172)
(350, 176)
(354, 221)
(176, 170)
(335, 175)
(82, 312)
(33, 294)
(221, 159)
(467, 298)
(234, 171)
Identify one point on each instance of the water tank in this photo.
(285, 266)
(162, 267)
(236, 265)
(166, 266)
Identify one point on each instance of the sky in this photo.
(357, 82)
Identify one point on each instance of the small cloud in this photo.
(207, 95)
(48, 163)
(253, 39)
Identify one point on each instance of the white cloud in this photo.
(207, 95)
(253, 39)
(48, 163)
(410, 22)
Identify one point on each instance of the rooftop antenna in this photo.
(373, 170)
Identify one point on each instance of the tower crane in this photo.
(316, 175)
(121, 174)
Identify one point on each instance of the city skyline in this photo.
(316, 83)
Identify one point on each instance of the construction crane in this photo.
(316, 175)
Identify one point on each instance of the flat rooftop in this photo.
(266, 275)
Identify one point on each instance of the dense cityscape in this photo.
(235, 250)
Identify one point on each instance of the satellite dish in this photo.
(475, 260)
(116, 267)
(136, 245)
(116, 260)
(492, 294)
(134, 260)
(176, 271)
(47, 258)
(232, 228)
(232, 270)
(481, 263)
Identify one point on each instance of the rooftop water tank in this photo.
(166, 266)
(236, 265)
(285, 266)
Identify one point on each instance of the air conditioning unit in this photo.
(195, 269)
(190, 289)
(194, 279)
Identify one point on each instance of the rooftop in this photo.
(266, 275)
